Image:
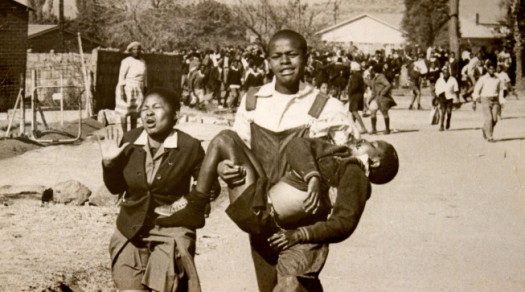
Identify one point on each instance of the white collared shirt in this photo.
(449, 87)
(488, 86)
(153, 162)
(278, 112)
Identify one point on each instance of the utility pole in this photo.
(453, 27)
(61, 25)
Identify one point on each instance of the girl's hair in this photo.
(169, 96)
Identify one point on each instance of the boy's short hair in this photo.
(289, 34)
(388, 166)
(168, 95)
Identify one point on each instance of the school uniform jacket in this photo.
(171, 181)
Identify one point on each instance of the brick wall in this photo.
(13, 47)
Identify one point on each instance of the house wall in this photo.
(51, 41)
(367, 34)
(13, 47)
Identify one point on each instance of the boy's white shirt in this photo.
(278, 112)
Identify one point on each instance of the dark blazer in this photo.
(172, 179)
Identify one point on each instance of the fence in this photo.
(52, 71)
(163, 71)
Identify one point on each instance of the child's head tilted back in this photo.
(383, 159)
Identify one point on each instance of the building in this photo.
(13, 46)
(368, 32)
(42, 38)
(476, 33)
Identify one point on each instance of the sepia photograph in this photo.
(262, 145)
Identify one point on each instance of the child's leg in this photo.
(225, 146)
(228, 146)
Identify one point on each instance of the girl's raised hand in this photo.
(109, 146)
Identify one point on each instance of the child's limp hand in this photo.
(312, 201)
(233, 175)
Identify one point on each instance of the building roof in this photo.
(23, 3)
(38, 29)
(469, 29)
(392, 20)
(35, 30)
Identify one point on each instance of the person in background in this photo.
(234, 83)
(356, 91)
(446, 93)
(488, 91)
(417, 72)
(132, 82)
(505, 83)
(381, 99)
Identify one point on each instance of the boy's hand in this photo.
(284, 239)
(233, 175)
(311, 203)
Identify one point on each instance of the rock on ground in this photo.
(71, 191)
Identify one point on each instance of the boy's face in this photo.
(287, 61)
(374, 149)
(324, 88)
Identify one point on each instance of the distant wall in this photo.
(163, 71)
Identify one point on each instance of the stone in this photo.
(102, 197)
(71, 192)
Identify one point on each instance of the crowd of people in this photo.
(363, 80)
(291, 141)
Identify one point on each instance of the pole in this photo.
(23, 111)
(61, 99)
(453, 29)
(89, 110)
(33, 92)
(61, 25)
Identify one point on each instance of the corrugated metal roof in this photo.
(392, 20)
(36, 29)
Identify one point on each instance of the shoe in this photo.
(363, 132)
(168, 210)
(491, 140)
(411, 107)
(191, 216)
(441, 129)
(387, 132)
(484, 135)
(420, 108)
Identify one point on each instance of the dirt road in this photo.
(453, 219)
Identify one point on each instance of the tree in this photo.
(424, 21)
(512, 28)
(262, 19)
(453, 28)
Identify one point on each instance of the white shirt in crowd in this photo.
(488, 86)
(421, 66)
(505, 79)
(449, 87)
(278, 112)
